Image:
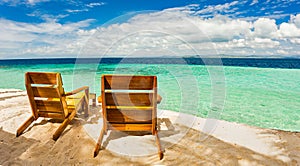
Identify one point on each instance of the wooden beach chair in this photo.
(48, 99)
(129, 103)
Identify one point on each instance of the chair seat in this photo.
(74, 99)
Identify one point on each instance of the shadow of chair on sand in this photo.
(79, 119)
(165, 128)
(164, 125)
(206, 149)
(13, 148)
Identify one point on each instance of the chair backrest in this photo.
(46, 95)
(129, 102)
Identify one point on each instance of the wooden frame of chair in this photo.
(48, 99)
(129, 103)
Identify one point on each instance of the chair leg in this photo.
(86, 103)
(92, 96)
(63, 126)
(99, 142)
(86, 107)
(24, 126)
(160, 151)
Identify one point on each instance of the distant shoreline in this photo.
(289, 63)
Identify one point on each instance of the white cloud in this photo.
(223, 28)
(218, 8)
(174, 32)
(22, 2)
(76, 10)
(282, 52)
(33, 2)
(91, 5)
(85, 8)
(291, 29)
(254, 2)
(183, 34)
(296, 20)
(19, 38)
(265, 28)
(295, 41)
(264, 43)
(51, 27)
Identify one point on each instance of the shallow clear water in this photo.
(263, 97)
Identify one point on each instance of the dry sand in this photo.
(187, 140)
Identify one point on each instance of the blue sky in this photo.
(137, 28)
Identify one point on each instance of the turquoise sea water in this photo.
(264, 97)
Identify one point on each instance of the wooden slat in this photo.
(74, 102)
(128, 82)
(128, 99)
(129, 107)
(47, 92)
(51, 115)
(129, 115)
(154, 111)
(49, 106)
(103, 104)
(42, 78)
(130, 127)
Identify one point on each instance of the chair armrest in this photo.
(158, 99)
(76, 91)
(99, 99)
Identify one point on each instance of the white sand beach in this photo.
(187, 140)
